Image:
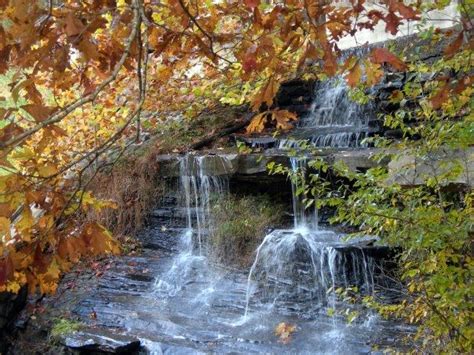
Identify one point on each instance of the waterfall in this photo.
(303, 218)
(334, 119)
(306, 263)
(198, 188)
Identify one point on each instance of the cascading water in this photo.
(303, 218)
(198, 189)
(334, 119)
(306, 263)
(198, 306)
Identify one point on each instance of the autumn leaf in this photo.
(73, 26)
(440, 97)
(454, 46)
(283, 118)
(257, 124)
(406, 11)
(39, 112)
(266, 94)
(249, 62)
(6, 270)
(354, 75)
(383, 55)
(5, 210)
(392, 22)
(373, 72)
(284, 331)
(251, 4)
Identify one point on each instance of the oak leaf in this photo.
(383, 55)
(249, 62)
(454, 46)
(407, 12)
(283, 118)
(440, 97)
(73, 26)
(38, 112)
(251, 4)
(373, 72)
(266, 94)
(257, 124)
(354, 75)
(392, 22)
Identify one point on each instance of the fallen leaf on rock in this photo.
(283, 331)
(93, 315)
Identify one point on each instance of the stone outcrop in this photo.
(101, 341)
(252, 164)
(10, 305)
(413, 171)
(405, 171)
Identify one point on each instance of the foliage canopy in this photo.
(81, 78)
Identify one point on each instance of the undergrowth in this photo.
(63, 326)
(134, 183)
(240, 224)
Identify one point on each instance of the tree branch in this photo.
(86, 99)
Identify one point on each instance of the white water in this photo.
(304, 218)
(306, 263)
(198, 306)
(198, 189)
(334, 119)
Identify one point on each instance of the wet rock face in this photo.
(101, 341)
(10, 305)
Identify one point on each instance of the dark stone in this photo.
(101, 341)
(295, 92)
(10, 306)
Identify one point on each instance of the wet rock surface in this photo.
(167, 302)
(101, 341)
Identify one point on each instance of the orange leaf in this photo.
(266, 94)
(283, 331)
(392, 22)
(373, 71)
(5, 210)
(383, 55)
(73, 26)
(283, 118)
(330, 63)
(251, 4)
(440, 97)
(249, 63)
(407, 12)
(6, 270)
(39, 112)
(257, 124)
(353, 77)
(454, 46)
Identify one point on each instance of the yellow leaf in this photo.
(4, 225)
(266, 94)
(47, 170)
(284, 330)
(282, 118)
(257, 124)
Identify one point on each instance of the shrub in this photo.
(240, 224)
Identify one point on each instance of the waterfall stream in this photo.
(334, 120)
(207, 307)
(176, 299)
(304, 264)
